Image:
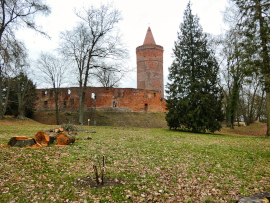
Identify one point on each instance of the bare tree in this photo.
(109, 76)
(53, 72)
(252, 101)
(234, 71)
(13, 15)
(241, 54)
(93, 40)
(254, 20)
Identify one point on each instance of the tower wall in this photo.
(150, 68)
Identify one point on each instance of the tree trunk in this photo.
(228, 113)
(1, 94)
(21, 104)
(81, 105)
(20, 99)
(65, 139)
(268, 113)
(7, 97)
(56, 91)
(258, 117)
(234, 101)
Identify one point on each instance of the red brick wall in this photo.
(118, 99)
(150, 68)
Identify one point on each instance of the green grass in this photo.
(155, 164)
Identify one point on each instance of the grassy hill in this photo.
(136, 119)
(107, 118)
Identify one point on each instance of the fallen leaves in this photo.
(148, 165)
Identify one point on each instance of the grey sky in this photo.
(164, 18)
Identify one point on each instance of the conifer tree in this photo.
(194, 98)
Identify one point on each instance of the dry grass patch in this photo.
(256, 129)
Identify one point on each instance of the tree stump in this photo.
(257, 198)
(21, 141)
(42, 139)
(65, 139)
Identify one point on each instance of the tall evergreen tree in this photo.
(194, 98)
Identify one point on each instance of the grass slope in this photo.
(107, 118)
(155, 165)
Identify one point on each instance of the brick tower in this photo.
(150, 65)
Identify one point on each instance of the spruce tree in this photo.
(194, 97)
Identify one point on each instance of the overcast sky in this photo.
(163, 17)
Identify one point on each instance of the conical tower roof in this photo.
(149, 39)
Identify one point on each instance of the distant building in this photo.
(150, 65)
(148, 97)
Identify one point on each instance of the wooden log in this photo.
(17, 141)
(64, 139)
(42, 139)
(58, 130)
(51, 135)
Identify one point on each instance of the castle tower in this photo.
(150, 65)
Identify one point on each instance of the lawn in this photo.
(144, 165)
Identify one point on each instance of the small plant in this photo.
(69, 127)
(102, 172)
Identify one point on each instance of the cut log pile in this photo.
(42, 139)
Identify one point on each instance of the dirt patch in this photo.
(90, 182)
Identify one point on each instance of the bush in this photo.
(69, 127)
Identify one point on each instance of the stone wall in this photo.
(112, 99)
